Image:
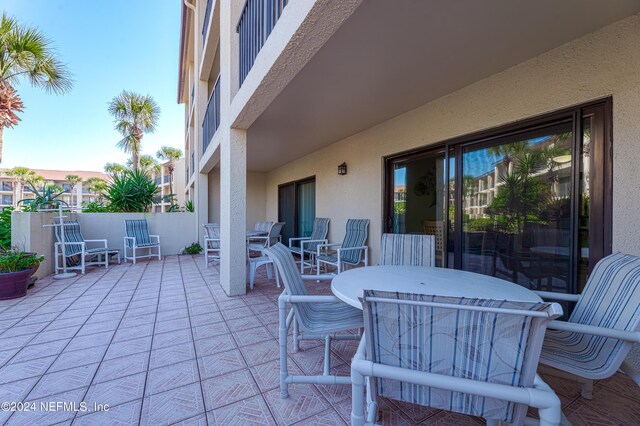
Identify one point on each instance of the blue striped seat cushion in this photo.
(610, 299)
(138, 229)
(328, 258)
(482, 346)
(405, 249)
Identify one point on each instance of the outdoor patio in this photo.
(161, 343)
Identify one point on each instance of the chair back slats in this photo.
(213, 232)
(290, 275)
(356, 235)
(72, 234)
(611, 299)
(274, 232)
(405, 249)
(138, 229)
(263, 226)
(320, 231)
(497, 345)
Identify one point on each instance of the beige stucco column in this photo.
(233, 211)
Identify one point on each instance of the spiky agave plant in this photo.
(132, 191)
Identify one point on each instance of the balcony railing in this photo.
(193, 163)
(256, 22)
(211, 117)
(207, 16)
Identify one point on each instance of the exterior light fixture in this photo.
(342, 169)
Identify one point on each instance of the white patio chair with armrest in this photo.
(313, 317)
(137, 237)
(257, 244)
(76, 245)
(471, 356)
(603, 326)
(309, 245)
(211, 242)
(407, 249)
(350, 251)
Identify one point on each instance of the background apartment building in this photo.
(74, 194)
(163, 179)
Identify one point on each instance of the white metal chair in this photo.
(317, 317)
(137, 237)
(76, 245)
(211, 242)
(407, 249)
(309, 245)
(603, 326)
(350, 251)
(258, 244)
(471, 356)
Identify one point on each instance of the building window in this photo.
(548, 218)
(7, 186)
(7, 200)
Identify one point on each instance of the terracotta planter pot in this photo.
(14, 284)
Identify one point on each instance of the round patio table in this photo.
(349, 285)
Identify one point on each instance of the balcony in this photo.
(254, 27)
(211, 120)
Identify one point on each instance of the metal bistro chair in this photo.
(309, 245)
(317, 317)
(350, 251)
(603, 326)
(407, 249)
(471, 356)
(76, 245)
(211, 242)
(137, 237)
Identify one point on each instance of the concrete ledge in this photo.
(176, 230)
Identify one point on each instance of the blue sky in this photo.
(109, 45)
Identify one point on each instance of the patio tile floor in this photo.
(161, 343)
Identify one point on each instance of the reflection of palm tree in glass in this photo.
(525, 192)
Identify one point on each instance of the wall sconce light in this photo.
(342, 169)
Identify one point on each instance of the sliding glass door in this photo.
(530, 203)
(297, 208)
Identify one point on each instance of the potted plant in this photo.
(45, 199)
(16, 268)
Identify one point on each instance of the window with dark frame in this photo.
(529, 202)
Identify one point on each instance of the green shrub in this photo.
(131, 192)
(5, 228)
(194, 248)
(46, 198)
(15, 260)
(94, 207)
(188, 206)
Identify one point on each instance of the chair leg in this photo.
(252, 274)
(82, 260)
(206, 258)
(357, 398)
(327, 355)
(296, 342)
(282, 341)
(587, 389)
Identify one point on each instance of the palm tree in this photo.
(97, 186)
(73, 181)
(147, 164)
(19, 175)
(134, 115)
(113, 168)
(170, 155)
(25, 52)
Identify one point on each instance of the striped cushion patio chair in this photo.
(314, 318)
(309, 245)
(137, 237)
(257, 244)
(471, 356)
(405, 249)
(211, 242)
(603, 326)
(74, 250)
(350, 251)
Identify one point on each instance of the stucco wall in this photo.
(176, 231)
(256, 198)
(600, 64)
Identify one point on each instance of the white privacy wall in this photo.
(176, 230)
